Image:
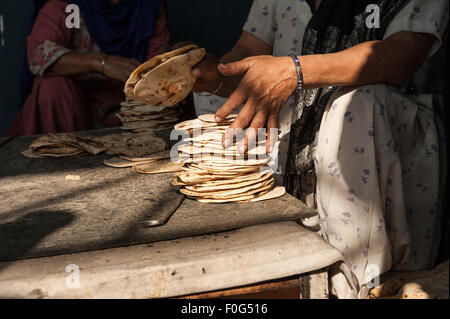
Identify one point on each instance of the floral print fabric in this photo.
(377, 166)
(377, 162)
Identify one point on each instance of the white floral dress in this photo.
(377, 162)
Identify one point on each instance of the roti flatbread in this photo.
(230, 194)
(166, 79)
(272, 194)
(154, 157)
(226, 185)
(158, 167)
(196, 124)
(118, 162)
(210, 118)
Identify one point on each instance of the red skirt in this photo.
(60, 104)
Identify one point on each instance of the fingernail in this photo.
(196, 72)
(217, 118)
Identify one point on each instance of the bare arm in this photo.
(75, 63)
(391, 61)
(267, 81)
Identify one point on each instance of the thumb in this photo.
(233, 69)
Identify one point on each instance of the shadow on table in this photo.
(25, 226)
(21, 235)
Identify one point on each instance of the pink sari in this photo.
(60, 104)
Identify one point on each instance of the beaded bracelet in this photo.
(299, 70)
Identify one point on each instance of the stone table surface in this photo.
(42, 214)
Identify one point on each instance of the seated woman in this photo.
(79, 73)
(366, 128)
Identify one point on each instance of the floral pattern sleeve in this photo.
(44, 55)
(423, 16)
(261, 21)
(50, 38)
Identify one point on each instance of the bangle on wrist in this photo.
(299, 71)
(102, 70)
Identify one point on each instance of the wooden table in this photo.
(48, 223)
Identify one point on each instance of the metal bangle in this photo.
(104, 63)
(216, 91)
(299, 70)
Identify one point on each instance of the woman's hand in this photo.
(267, 84)
(208, 77)
(119, 68)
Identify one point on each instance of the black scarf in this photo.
(335, 26)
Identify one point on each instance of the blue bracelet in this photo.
(299, 70)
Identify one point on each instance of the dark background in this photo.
(213, 24)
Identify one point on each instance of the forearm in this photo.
(367, 63)
(74, 63)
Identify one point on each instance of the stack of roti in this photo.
(137, 116)
(212, 174)
(156, 87)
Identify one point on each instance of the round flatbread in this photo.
(118, 162)
(170, 82)
(158, 167)
(272, 194)
(210, 118)
(225, 185)
(130, 103)
(242, 199)
(226, 160)
(230, 194)
(196, 126)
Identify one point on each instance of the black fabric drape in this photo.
(335, 26)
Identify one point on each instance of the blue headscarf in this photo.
(124, 29)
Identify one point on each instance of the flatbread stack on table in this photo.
(137, 116)
(212, 174)
(133, 145)
(156, 87)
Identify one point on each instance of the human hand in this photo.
(119, 68)
(267, 84)
(208, 77)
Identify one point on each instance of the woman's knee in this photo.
(57, 90)
(367, 98)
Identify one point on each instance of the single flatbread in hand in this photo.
(166, 79)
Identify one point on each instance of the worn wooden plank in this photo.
(274, 286)
(42, 214)
(315, 285)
